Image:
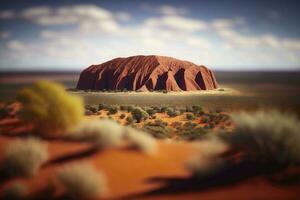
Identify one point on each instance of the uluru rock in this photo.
(147, 73)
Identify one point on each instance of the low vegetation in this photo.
(50, 108)
(157, 129)
(82, 181)
(104, 133)
(141, 140)
(207, 161)
(23, 157)
(139, 114)
(269, 138)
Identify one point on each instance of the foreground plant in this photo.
(82, 181)
(50, 108)
(23, 157)
(207, 161)
(104, 133)
(141, 141)
(267, 137)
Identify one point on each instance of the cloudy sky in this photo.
(224, 35)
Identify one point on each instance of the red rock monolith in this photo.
(146, 73)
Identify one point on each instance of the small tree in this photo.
(50, 108)
(139, 114)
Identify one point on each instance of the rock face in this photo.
(147, 73)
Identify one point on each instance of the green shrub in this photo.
(269, 138)
(130, 108)
(129, 119)
(50, 108)
(157, 129)
(23, 157)
(189, 109)
(123, 108)
(139, 114)
(91, 108)
(192, 133)
(112, 109)
(101, 106)
(190, 116)
(173, 113)
(150, 111)
(82, 181)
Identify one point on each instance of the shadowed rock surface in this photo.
(147, 73)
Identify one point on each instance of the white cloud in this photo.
(164, 9)
(96, 34)
(88, 18)
(171, 10)
(227, 23)
(177, 22)
(198, 42)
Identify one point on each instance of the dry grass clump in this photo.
(141, 140)
(14, 191)
(23, 157)
(82, 181)
(50, 108)
(267, 137)
(105, 133)
(206, 161)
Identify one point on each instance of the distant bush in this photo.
(139, 114)
(176, 124)
(15, 191)
(82, 181)
(104, 133)
(157, 129)
(23, 157)
(150, 111)
(112, 109)
(205, 119)
(123, 108)
(172, 112)
(129, 119)
(269, 138)
(192, 133)
(50, 108)
(92, 108)
(141, 140)
(101, 106)
(190, 116)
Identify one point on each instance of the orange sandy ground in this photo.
(128, 170)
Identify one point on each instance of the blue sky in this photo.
(224, 35)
